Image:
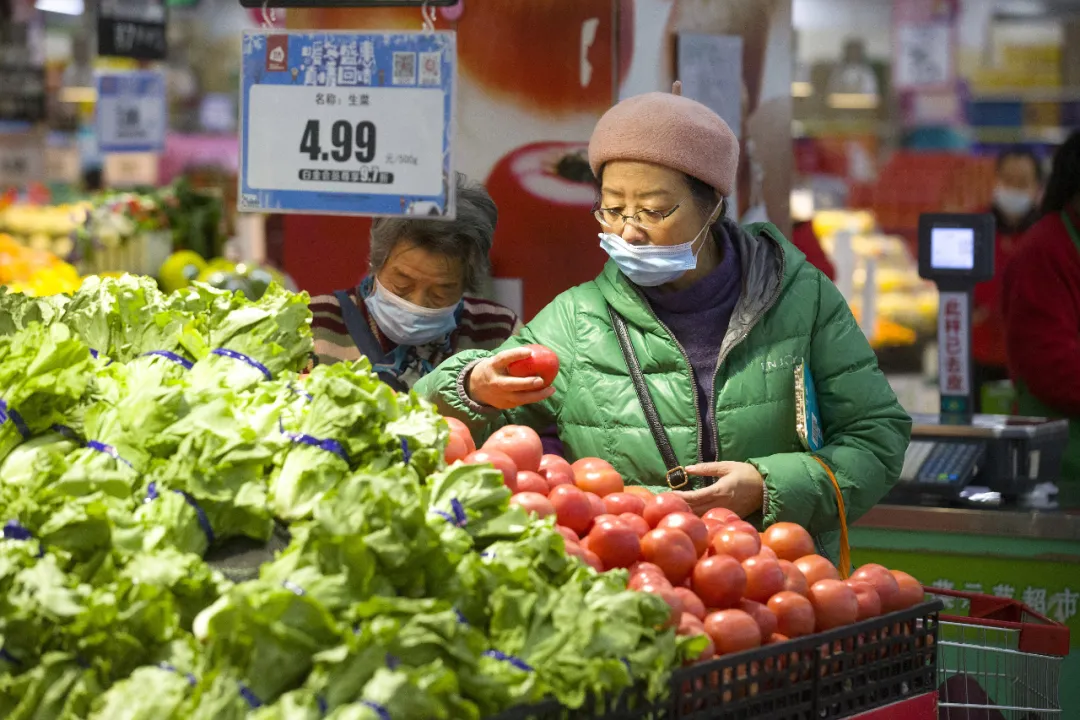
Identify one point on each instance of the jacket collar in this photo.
(766, 263)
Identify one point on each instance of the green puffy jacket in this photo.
(788, 312)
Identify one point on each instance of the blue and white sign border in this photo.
(101, 80)
(253, 71)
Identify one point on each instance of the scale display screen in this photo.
(952, 248)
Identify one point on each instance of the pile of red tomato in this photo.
(722, 578)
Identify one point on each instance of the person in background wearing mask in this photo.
(1019, 182)
(411, 312)
(1041, 293)
(717, 317)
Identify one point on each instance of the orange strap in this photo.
(844, 566)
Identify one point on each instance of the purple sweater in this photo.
(698, 316)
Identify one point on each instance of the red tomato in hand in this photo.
(617, 545)
(732, 631)
(816, 568)
(794, 581)
(869, 602)
(556, 471)
(794, 614)
(672, 550)
(543, 363)
(763, 616)
(691, 602)
(459, 428)
(883, 583)
(690, 524)
(529, 482)
(911, 590)
(764, 578)
(534, 503)
(572, 508)
(662, 505)
(835, 604)
(719, 581)
(498, 460)
(789, 541)
(737, 544)
(599, 482)
(521, 443)
(636, 522)
(623, 502)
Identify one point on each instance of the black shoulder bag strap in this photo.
(677, 479)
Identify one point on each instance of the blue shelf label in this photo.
(131, 115)
(348, 124)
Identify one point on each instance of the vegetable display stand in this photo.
(842, 673)
(1003, 660)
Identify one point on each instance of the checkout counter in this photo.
(975, 507)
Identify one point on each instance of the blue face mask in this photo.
(406, 323)
(653, 265)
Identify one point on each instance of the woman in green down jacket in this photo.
(719, 318)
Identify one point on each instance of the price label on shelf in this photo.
(347, 124)
(131, 113)
(22, 159)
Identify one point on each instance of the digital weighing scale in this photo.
(956, 450)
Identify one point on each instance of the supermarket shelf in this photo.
(1059, 94)
(1051, 135)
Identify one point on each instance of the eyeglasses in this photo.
(644, 218)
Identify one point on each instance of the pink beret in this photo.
(668, 130)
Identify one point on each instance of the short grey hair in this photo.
(468, 237)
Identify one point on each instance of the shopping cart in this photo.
(1000, 662)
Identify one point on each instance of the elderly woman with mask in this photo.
(689, 360)
(412, 311)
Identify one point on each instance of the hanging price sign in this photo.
(347, 124)
(133, 29)
(131, 113)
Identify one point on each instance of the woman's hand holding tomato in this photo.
(490, 382)
(739, 487)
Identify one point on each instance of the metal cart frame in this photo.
(1000, 662)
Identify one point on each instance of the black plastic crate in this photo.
(836, 674)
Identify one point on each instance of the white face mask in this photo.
(1015, 203)
(407, 323)
(653, 265)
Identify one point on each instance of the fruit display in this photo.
(721, 578)
(144, 433)
(121, 231)
(33, 271)
(51, 228)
